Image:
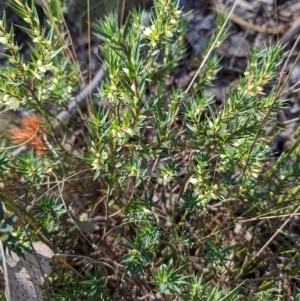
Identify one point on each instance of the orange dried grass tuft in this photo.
(31, 134)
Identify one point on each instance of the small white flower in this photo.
(19, 3)
(168, 34)
(132, 87)
(42, 69)
(37, 76)
(193, 181)
(104, 156)
(37, 39)
(12, 60)
(5, 97)
(27, 20)
(140, 119)
(129, 131)
(147, 31)
(126, 70)
(99, 162)
(223, 132)
(113, 87)
(3, 40)
(96, 164)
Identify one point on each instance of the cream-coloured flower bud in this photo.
(5, 97)
(3, 40)
(96, 164)
(27, 20)
(12, 60)
(47, 66)
(223, 130)
(37, 76)
(126, 70)
(193, 181)
(37, 39)
(129, 131)
(42, 69)
(104, 156)
(147, 31)
(168, 34)
(215, 187)
(25, 67)
(19, 3)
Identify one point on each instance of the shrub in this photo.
(174, 172)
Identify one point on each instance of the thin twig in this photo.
(258, 28)
(290, 34)
(67, 114)
(211, 48)
(275, 234)
(89, 97)
(5, 273)
(276, 97)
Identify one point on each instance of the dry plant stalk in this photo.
(31, 134)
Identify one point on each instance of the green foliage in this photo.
(39, 80)
(216, 255)
(93, 288)
(30, 168)
(169, 280)
(175, 172)
(12, 240)
(49, 210)
(197, 290)
(136, 258)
